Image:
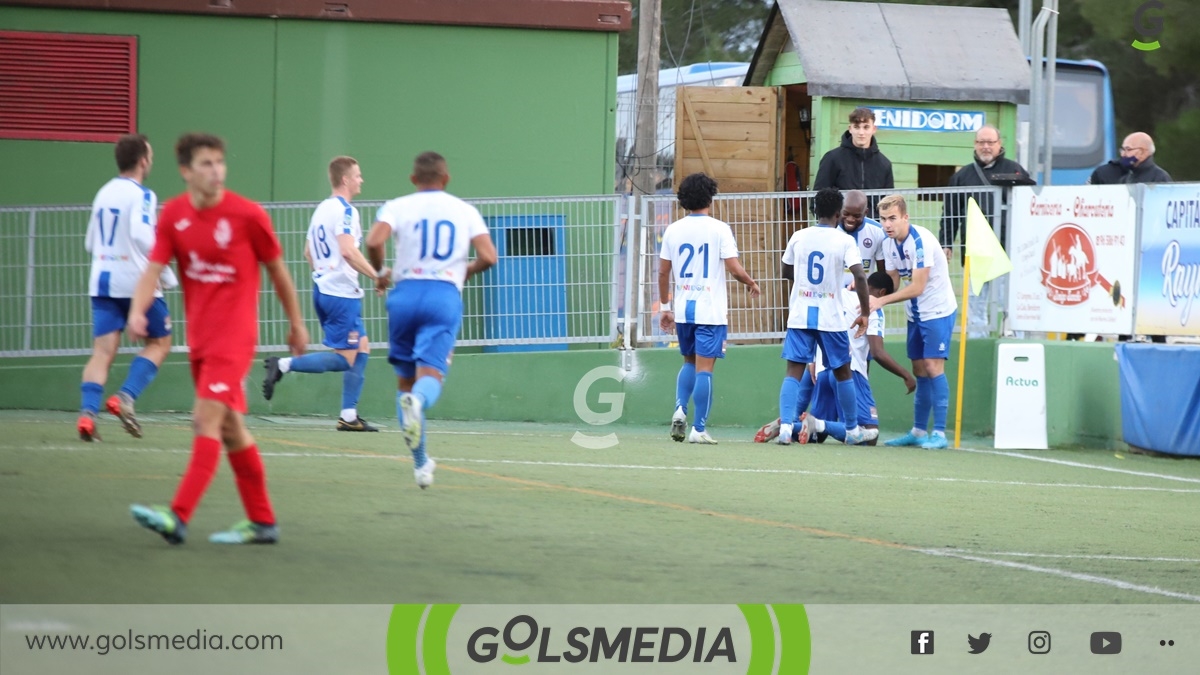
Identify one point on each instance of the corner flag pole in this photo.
(962, 355)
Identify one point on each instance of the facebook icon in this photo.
(922, 642)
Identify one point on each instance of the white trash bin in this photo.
(1021, 397)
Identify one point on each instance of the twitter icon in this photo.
(979, 644)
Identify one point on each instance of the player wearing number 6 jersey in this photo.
(334, 237)
(120, 236)
(813, 261)
(433, 233)
(697, 250)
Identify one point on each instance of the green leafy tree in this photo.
(695, 31)
(1157, 92)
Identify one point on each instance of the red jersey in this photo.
(219, 250)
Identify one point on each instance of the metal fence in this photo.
(762, 223)
(556, 282)
(572, 270)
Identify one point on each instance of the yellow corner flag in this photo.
(987, 256)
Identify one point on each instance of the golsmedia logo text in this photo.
(515, 643)
(531, 639)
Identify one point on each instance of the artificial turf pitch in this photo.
(520, 514)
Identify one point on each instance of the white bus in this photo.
(713, 74)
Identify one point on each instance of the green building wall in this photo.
(516, 112)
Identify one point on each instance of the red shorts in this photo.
(222, 378)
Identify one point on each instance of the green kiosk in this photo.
(932, 74)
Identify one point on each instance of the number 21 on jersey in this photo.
(691, 252)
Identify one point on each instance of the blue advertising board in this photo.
(1169, 280)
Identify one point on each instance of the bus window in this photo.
(1079, 119)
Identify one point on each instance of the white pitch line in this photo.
(1073, 556)
(1081, 465)
(1089, 578)
(636, 467)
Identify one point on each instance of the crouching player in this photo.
(824, 419)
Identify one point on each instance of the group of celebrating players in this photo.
(835, 309)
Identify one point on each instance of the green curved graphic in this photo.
(762, 639)
(405, 633)
(433, 641)
(796, 637)
(403, 628)
(1146, 46)
(515, 660)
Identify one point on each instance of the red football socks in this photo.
(206, 455)
(252, 485)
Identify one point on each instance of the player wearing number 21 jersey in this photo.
(433, 232)
(697, 250)
(814, 260)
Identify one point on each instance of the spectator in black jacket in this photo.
(1135, 166)
(990, 167)
(857, 164)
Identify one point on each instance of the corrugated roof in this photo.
(899, 52)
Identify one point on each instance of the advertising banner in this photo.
(1073, 251)
(1169, 277)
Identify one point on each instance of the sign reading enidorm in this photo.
(1073, 254)
(1169, 282)
(521, 639)
(913, 119)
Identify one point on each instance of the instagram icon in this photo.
(1039, 642)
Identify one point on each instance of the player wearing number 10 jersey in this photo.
(334, 237)
(697, 250)
(433, 233)
(813, 261)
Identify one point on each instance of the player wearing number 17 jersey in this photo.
(813, 261)
(334, 237)
(433, 232)
(120, 235)
(697, 250)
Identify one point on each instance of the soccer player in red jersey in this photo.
(219, 238)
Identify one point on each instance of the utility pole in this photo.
(645, 146)
(645, 143)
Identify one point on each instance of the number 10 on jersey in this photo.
(442, 235)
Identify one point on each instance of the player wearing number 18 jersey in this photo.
(813, 261)
(433, 232)
(334, 237)
(697, 250)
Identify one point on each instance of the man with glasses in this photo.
(990, 167)
(1136, 164)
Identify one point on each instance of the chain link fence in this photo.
(762, 223)
(556, 282)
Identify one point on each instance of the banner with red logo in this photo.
(1073, 251)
